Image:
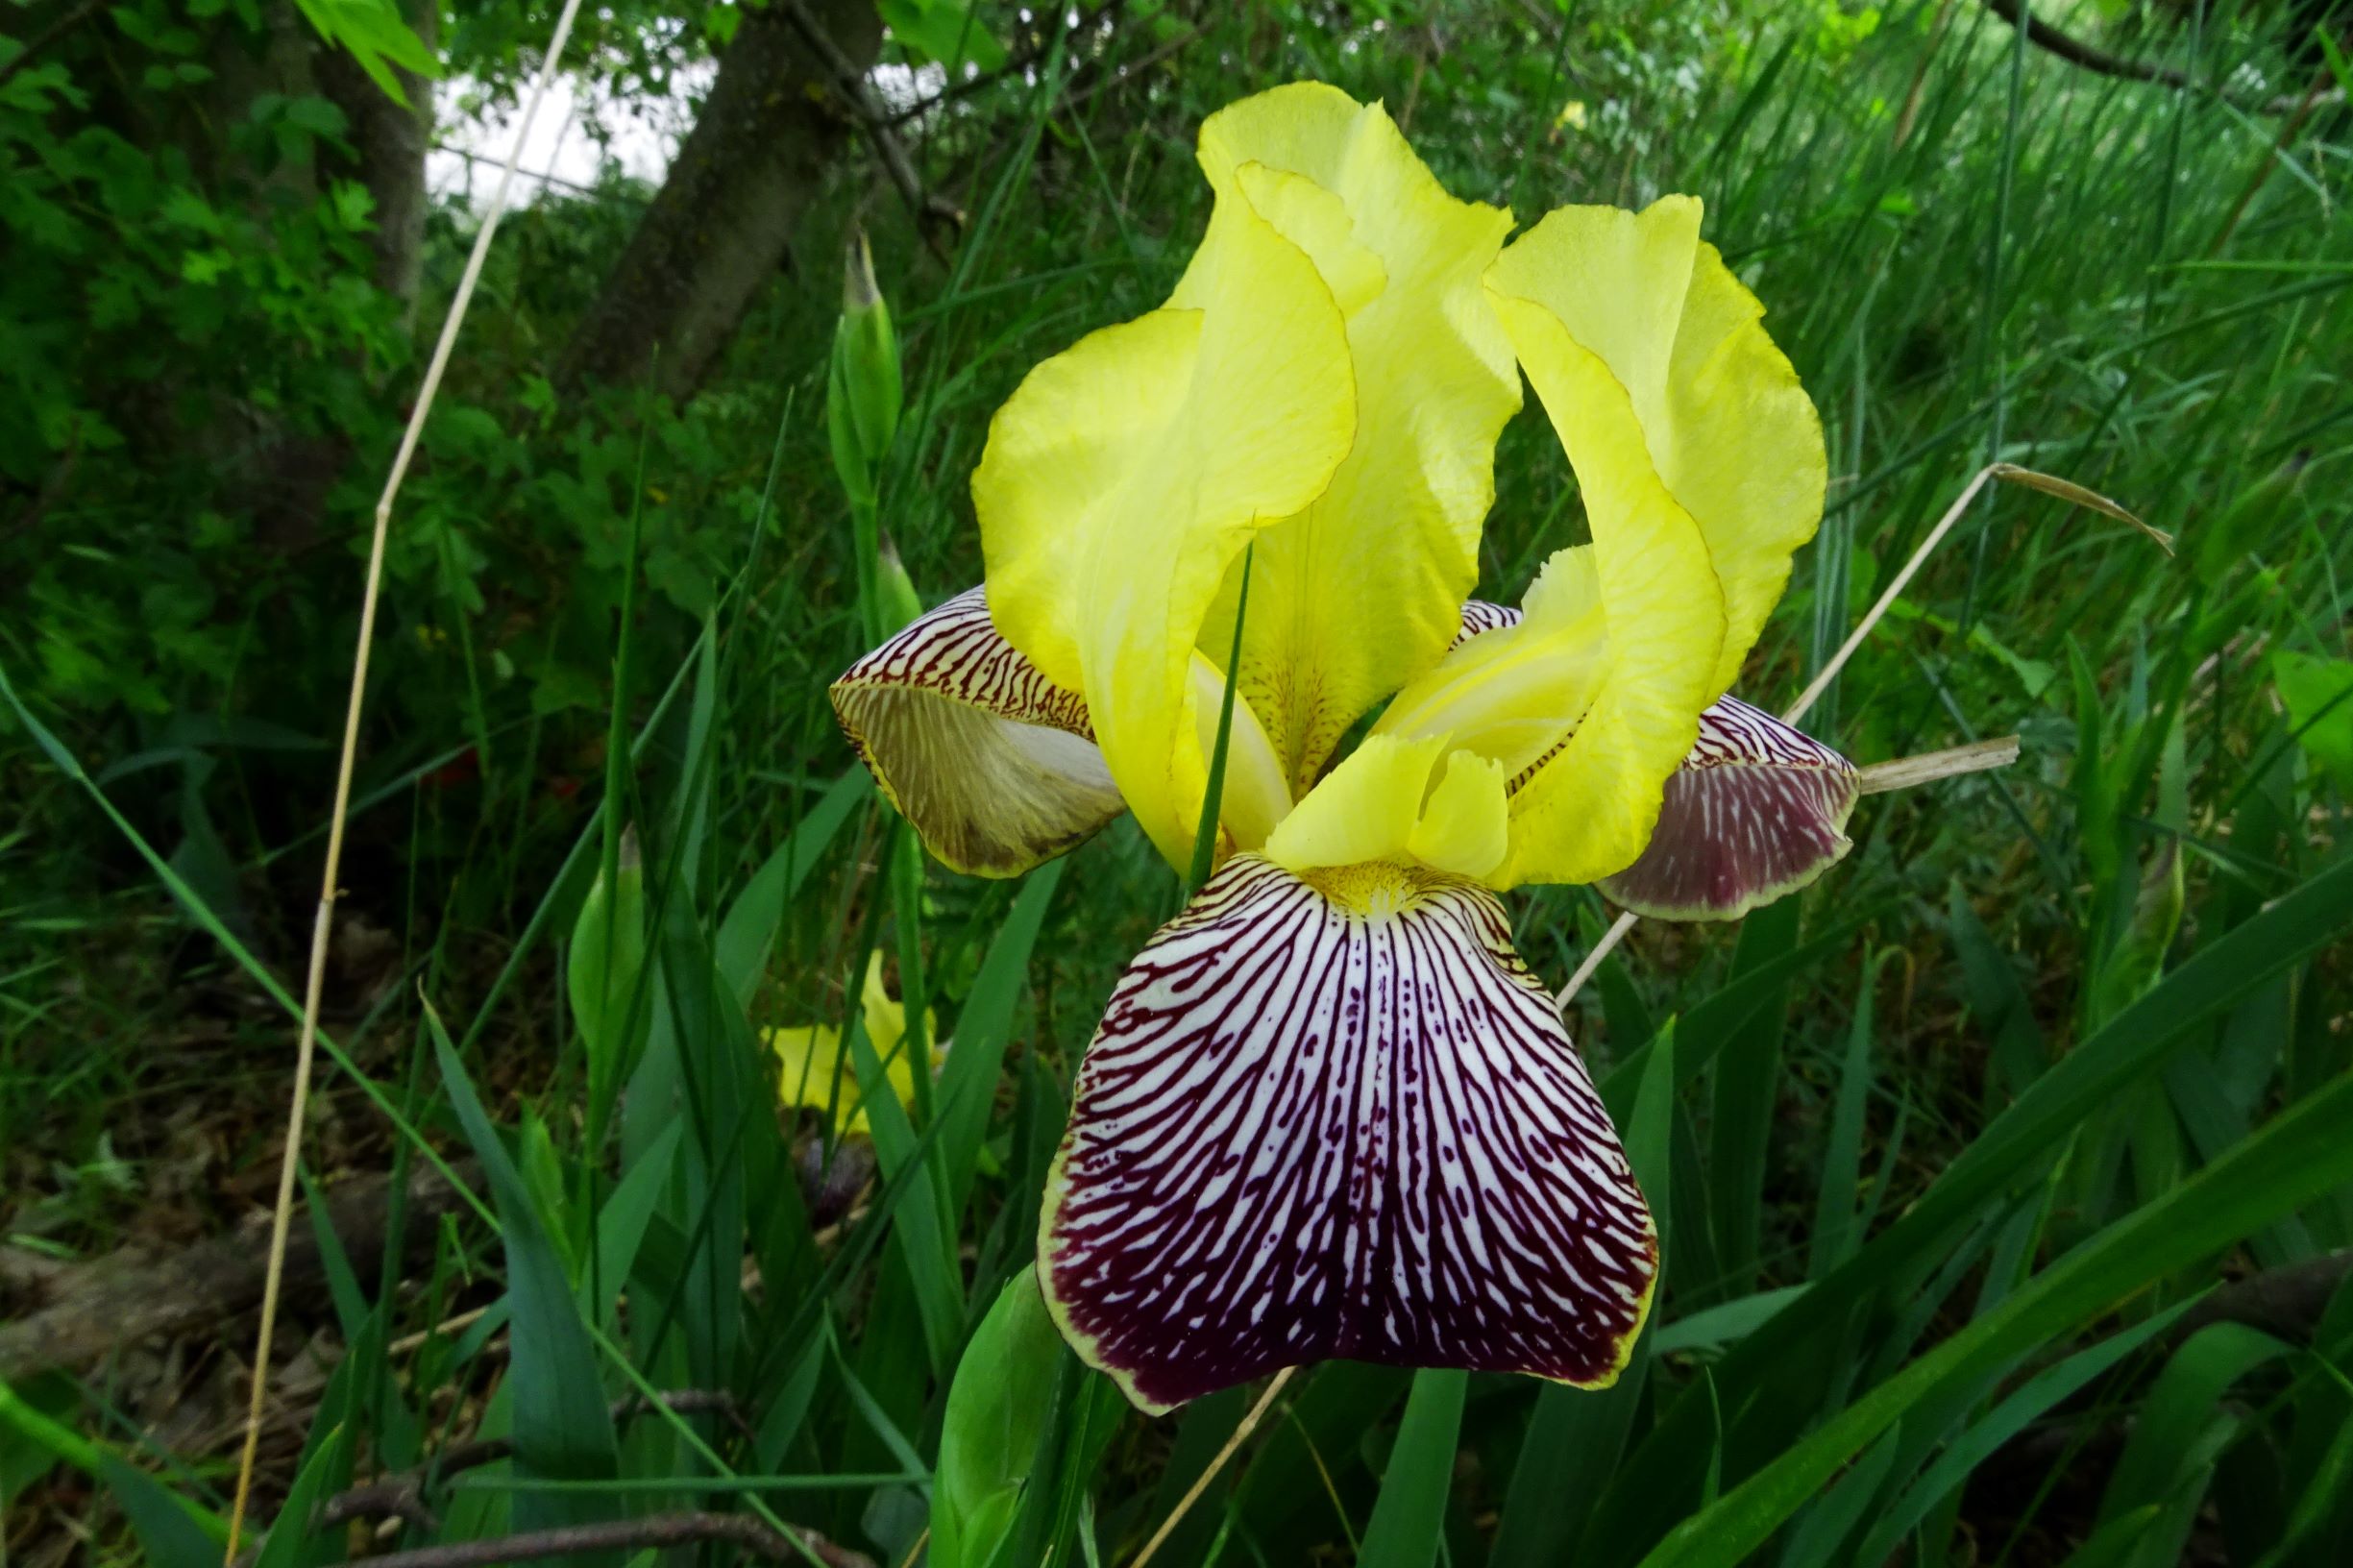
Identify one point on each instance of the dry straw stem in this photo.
(1928, 767)
(1201, 1483)
(322, 928)
(657, 1533)
(1906, 771)
(2009, 473)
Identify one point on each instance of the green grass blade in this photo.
(2167, 1444)
(1574, 1433)
(928, 1249)
(750, 929)
(2033, 1400)
(1409, 1517)
(1834, 1236)
(2300, 1155)
(1205, 836)
(175, 1532)
(326, 1472)
(984, 1028)
(563, 1427)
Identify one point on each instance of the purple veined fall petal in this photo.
(1479, 615)
(1757, 811)
(994, 765)
(1339, 1118)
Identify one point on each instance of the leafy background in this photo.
(2004, 1179)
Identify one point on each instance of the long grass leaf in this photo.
(2298, 1155)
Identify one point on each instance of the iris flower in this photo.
(814, 1073)
(1329, 1112)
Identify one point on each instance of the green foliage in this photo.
(604, 976)
(2318, 695)
(994, 1427)
(376, 37)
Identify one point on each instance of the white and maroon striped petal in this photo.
(994, 765)
(1758, 810)
(1339, 1119)
(1478, 616)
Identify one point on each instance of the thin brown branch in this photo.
(2285, 1303)
(2075, 52)
(1084, 83)
(657, 1533)
(1201, 1483)
(322, 926)
(933, 215)
(610, 192)
(2263, 170)
(1908, 772)
(1910, 113)
(402, 1496)
(1017, 63)
(46, 37)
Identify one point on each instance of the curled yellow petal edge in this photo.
(1588, 811)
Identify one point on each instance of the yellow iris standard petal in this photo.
(1729, 430)
(1467, 827)
(1741, 449)
(1124, 475)
(1512, 694)
(1359, 593)
(811, 1066)
(1377, 807)
(1257, 795)
(1588, 812)
(1365, 810)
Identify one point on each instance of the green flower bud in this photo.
(863, 388)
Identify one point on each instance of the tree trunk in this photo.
(727, 211)
(389, 142)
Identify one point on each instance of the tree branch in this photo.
(1015, 64)
(402, 1495)
(931, 213)
(2075, 52)
(2285, 1303)
(46, 37)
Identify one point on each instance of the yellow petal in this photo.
(1365, 810)
(1511, 693)
(1588, 812)
(1726, 425)
(886, 1015)
(1742, 450)
(1378, 806)
(1465, 827)
(1257, 795)
(811, 1071)
(1317, 222)
(809, 1057)
(1364, 590)
(1124, 475)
